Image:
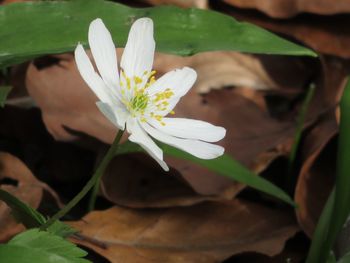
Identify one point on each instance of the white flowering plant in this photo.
(129, 93)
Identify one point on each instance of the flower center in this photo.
(139, 102)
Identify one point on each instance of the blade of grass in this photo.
(297, 135)
(341, 208)
(320, 234)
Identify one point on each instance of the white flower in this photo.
(133, 98)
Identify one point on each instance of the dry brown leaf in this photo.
(255, 143)
(322, 34)
(208, 232)
(17, 179)
(147, 185)
(182, 3)
(72, 105)
(317, 174)
(289, 8)
(65, 100)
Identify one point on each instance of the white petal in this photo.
(91, 78)
(180, 81)
(116, 116)
(139, 50)
(139, 136)
(190, 129)
(104, 53)
(200, 149)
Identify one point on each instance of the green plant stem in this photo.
(298, 133)
(95, 178)
(93, 196)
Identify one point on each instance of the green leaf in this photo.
(316, 252)
(337, 208)
(37, 28)
(30, 218)
(61, 229)
(223, 165)
(40, 247)
(4, 91)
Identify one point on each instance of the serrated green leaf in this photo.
(31, 218)
(223, 165)
(40, 247)
(61, 229)
(4, 91)
(38, 28)
(28, 216)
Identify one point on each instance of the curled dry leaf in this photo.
(317, 173)
(65, 100)
(205, 233)
(253, 145)
(321, 33)
(289, 8)
(16, 178)
(72, 105)
(149, 186)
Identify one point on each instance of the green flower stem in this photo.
(93, 196)
(90, 184)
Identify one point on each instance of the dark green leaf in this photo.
(30, 218)
(223, 165)
(22, 212)
(40, 247)
(37, 28)
(4, 91)
(61, 229)
(337, 209)
(319, 238)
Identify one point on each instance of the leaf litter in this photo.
(172, 216)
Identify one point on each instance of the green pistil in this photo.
(139, 102)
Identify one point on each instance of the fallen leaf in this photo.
(207, 232)
(72, 105)
(255, 146)
(289, 8)
(149, 186)
(17, 179)
(317, 173)
(322, 33)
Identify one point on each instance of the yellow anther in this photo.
(128, 84)
(137, 80)
(172, 112)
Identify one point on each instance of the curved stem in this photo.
(93, 195)
(95, 178)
